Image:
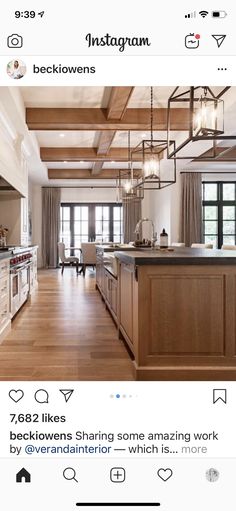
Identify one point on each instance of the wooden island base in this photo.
(179, 319)
(184, 373)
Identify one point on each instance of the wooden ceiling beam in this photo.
(223, 154)
(89, 154)
(97, 167)
(118, 102)
(135, 119)
(116, 108)
(104, 144)
(86, 174)
(105, 141)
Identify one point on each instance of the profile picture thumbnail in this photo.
(16, 69)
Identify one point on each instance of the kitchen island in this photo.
(106, 274)
(176, 311)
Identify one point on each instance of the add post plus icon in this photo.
(192, 41)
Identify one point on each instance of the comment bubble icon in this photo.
(41, 396)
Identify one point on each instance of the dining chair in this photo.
(88, 254)
(66, 259)
(176, 244)
(202, 245)
(228, 247)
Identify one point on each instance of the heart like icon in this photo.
(165, 473)
(16, 395)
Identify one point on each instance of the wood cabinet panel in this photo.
(187, 315)
(113, 291)
(126, 299)
(179, 320)
(107, 285)
(4, 298)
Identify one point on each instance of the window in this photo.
(102, 223)
(65, 226)
(80, 224)
(90, 222)
(117, 224)
(219, 213)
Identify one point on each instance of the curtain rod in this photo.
(79, 187)
(208, 172)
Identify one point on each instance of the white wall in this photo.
(13, 166)
(88, 195)
(35, 198)
(10, 217)
(163, 208)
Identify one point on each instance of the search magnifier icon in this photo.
(70, 474)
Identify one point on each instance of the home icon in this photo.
(23, 475)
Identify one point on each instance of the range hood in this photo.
(7, 191)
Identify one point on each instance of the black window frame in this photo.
(91, 219)
(219, 203)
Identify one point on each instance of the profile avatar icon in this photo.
(16, 69)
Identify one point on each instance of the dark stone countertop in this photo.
(197, 256)
(113, 248)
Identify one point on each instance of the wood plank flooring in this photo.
(64, 332)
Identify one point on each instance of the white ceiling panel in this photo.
(67, 138)
(69, 165)
(59, 97)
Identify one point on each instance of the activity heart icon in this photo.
(16, 395)
(165, 473)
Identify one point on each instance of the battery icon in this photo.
(219, 14)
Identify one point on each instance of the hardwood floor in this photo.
(64, 332)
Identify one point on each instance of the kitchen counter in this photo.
(5, 255)
(113, 247)
(176, 256)
(177, 312)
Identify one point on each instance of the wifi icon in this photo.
(203, 14)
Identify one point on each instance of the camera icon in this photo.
(15, 41)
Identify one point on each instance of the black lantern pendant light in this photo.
(156, 172)
(204, 119)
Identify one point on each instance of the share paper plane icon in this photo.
(67, 393)
(219, 39)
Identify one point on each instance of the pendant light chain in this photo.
(151, 117)
(129, 149)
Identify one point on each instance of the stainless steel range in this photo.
(20, 268)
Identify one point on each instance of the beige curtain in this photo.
(51, 201)
(191, 208)
(131, 215)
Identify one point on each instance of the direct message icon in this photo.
(219, 39)
(165, 474)
(67, 393)
(219, 395)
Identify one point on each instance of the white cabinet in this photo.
(33, 270)
(4, 297)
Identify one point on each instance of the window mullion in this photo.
(72, 230)
(111, 223)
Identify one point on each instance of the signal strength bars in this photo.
(191, 15)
